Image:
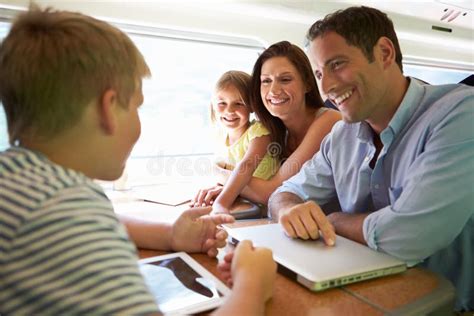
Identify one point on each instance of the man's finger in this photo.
(310, 225)
(299, 228)
(326, 228)
(288, 228)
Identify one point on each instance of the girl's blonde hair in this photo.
(240, 80)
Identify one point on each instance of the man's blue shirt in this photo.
(420, 192)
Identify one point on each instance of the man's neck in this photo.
(390, 103)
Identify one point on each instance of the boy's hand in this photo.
(224, 268)
(196, 231)
(251, 268)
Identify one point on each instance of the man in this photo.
(401, 163)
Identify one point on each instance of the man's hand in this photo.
(196, 231)
(305, 220)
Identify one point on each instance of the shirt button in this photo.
(376, 186)
(366, 159)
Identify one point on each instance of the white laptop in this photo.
(315, 265)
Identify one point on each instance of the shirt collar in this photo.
(27, 153)
(407, 107)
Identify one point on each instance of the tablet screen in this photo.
(177, 286)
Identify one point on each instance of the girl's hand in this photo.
(206, 197)
(218, 208)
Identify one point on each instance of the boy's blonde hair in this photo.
(54, 63)
(240, 80)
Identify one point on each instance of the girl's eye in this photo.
(220, 103)
(266, 81)
(285, 79)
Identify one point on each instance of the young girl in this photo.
(243, 143)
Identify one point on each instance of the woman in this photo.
(285, 98)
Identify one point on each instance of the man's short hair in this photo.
(361, 27)
(54, 63)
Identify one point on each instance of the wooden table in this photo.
(414, 292)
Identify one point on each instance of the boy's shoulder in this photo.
(30, 181)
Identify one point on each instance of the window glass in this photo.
(175, 114)
(434, 75)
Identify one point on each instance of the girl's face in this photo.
(281, 87)
(230, 110)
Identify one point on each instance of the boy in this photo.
(71, 88)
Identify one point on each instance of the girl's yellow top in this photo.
(232, 154)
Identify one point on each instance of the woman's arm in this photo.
(258, 190)
(242, 173)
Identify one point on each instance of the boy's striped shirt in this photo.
(62, 250)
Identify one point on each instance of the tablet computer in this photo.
(181, 285)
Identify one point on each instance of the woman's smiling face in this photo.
(281, 87)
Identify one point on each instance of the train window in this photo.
(435, 75)
(176, 126)
(175, 115)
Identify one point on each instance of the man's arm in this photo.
(432, 203)
(349, 225)
(281, 201)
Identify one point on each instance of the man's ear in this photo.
(386, 51)
(107, 111)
